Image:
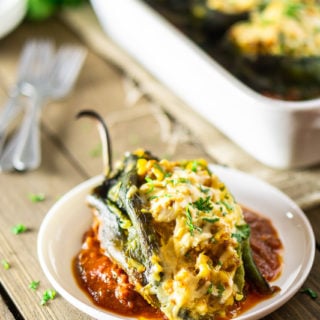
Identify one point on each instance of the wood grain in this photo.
(4, 311)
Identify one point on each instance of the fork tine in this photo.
(31, 55)
(68, 65)
(27, 54)
(40, 65)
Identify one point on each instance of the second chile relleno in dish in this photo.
(280, 45)
(272, 46)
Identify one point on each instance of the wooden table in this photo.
(140, 113)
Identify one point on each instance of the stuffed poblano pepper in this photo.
(281, 37)
(178, 233)
(216, 15)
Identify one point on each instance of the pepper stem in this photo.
(104, 136)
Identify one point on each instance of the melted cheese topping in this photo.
(284, 27)
(199, 254)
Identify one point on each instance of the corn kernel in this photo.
(141, 167)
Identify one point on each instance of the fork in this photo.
(34, 56)
(41, 53)
(24, 150)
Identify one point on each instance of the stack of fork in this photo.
(43, 74)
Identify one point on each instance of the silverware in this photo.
(24, 150)
(32, 65)
(40, 56)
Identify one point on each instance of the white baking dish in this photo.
(278, 133)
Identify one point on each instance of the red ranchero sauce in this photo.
(109, 288)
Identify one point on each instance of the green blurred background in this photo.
(39, 10)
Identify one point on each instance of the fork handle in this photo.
(27, 154)
(10, 111)
(19, 153)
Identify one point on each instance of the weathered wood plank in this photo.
(313, 216)
(21, 250)
(5, 313)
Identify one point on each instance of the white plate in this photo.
(62, 229)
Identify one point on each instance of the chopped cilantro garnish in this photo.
(37, 197)
(227, 205)
(183, 180)
(210, 289)
(204, 205)
(48, 295)
(6, 265)
(19, 228)
(211, 220)
(293, 10)
(151, 183)
(204, 189)
(153, 197)
(243, 232)
(190, 224)
(171, 181)
(221, 289)
(177, 181)
(262, 5)
(97, 151)
(310, 292)
(33, 285)
(194, 166)
(213, 240)
(158, 167)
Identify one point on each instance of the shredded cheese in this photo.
(198, 256)
(283, 27)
